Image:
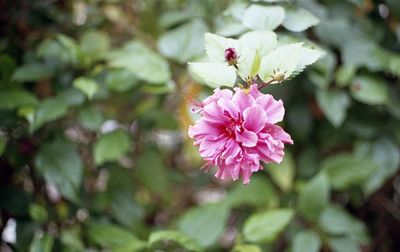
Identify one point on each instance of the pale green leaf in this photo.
(248, 63)
(120, 80)
(215, 46)
(87, 86)
(314, 197)
(93, 44)
(299, 19)
(214, 74)
(90, 117)
(184, 42)
(111, 146)
(283, 174)
(283, 59)
(61, 166)
(334, 104)
(205, 224)
(246, 248)
(262, 41)
(344, 75)
(267, 226)
(259, 17)
(370, 90)
(49, 110)
(175, 236)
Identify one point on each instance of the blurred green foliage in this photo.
(94, 109)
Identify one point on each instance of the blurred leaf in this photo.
(283, 174)
(337, 221)
(3, 144)
(343, 244)
(120, 80)
(152, 172)
(306, 241)
(90, 117)
(184, 42)
(300, 121)
(385, 154)
(344, 75)
(334, 103)
(307, 164)
(42, 243)
(111, 146)
(175, 236)
(142, 62)
(32, 72)
(345, 170)
(298, 20)
(71, 237)
(61, 166)
(262, 41)
(259, 17)
(265, 227)
(49, 110)
(71, 97)
(322, 73)
(14, 200)
(214, 74)
(172, 18)
(13, 98)
(314, 197)
(87, 86)
(38, 213)
(246, 248)
(7, 67)
(205, 224)
(259, 192)
(369, 90)
(93, 44)
(113, 237)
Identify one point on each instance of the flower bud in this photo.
(231, 56)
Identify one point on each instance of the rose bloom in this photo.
(237, 130)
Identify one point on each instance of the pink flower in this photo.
(237, 130)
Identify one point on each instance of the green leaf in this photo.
(14, 98)
(87, 86)
(38, 213)
(344, 75)
(71, 238)
(111, 146)
(93, 44)
(3, 144)
(120, 80)
(345, 170)
(299, 19)
(49, 110)
(113, 237)
(142, 62)
(90, 117)
(175, 236)
(42, 243)
(259, 17)
(369, 90)
(204, 224)
(307, 57)
(61, 166)
(306, 241)
(259, 192)
(343, 244)
(385, 153)
(148, 164)
(314, 197)
(215, 46)
(283, 174)
(32, 72)
(337, 221)
(183, 43)
(283, 60)
(334, 103)
(214, 74)
(267, 226)
(246, 248)
(248, 63)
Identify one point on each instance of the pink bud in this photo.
(231, 56)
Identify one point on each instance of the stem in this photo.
(264, 84)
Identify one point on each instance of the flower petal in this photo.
(273, 108)
(255, 119)
(247, 138)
